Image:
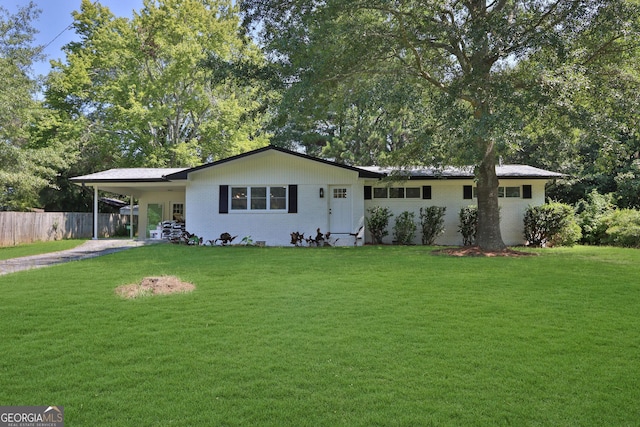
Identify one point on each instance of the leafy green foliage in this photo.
(29, 159)
(404, 229)
(622, 228)
(468, 225)
(155, 90)
(431, 223)
(468, 52)
(590, 213)
(551, 224)
(377, 222)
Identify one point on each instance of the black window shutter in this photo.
(426, 192)
(467, 192)
(293, 198)
(367, 192)
(224, 199)
(526, 192)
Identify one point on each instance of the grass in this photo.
(8, 252)
(329, 337)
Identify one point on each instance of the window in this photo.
(255, 198)
(239, 198)
(278, 198)
(339, 193)
(380, 193)
(412, 193)
(178, 212)
(512, 192)
(508, 192)
(396, 193)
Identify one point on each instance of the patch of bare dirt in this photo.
(475, 251)
(162, 285)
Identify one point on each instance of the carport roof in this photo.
(128, 175)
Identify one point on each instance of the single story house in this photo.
(269, 193)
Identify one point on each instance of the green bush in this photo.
(552, 224)
(590, 213)
(377, 222)
(622, 228)
(404, 230)
(432, 223)
(468, 225)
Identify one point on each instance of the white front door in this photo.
(340, 209)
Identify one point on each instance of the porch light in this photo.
(321, 193)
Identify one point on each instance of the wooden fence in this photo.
(26, 227)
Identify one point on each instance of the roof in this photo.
(449, 172)
(129, 175)
(150, 175)
(362, 172)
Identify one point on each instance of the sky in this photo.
(54, 19)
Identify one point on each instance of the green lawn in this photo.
(37, 248)
(329, 337)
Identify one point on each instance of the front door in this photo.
(340, 209)
(154, 216)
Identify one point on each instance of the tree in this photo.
(586, 121)
(468, 50)
(28, 162)
(142, 90)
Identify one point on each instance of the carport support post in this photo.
(95, 212)
(131, 218)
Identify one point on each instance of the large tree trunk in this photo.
(489, 237)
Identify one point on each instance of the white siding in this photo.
(264, 169)
(449, 193)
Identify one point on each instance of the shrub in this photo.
(404, 230)
(590, 213)
(432, 223)
(552, 224)
(622, 228)
(377, 222)
(468, 225)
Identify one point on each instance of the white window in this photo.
(397, 193)
(259, 198)
(512, 192)
(380, 193)
(508, 192)
(178, 212)
(339, 193)
(412, 193)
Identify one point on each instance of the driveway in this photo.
(89, 249)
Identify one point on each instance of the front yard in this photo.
(331, 336)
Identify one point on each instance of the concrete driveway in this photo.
(90, 249)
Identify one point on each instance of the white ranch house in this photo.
(271, 192)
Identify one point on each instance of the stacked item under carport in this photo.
(172, 230)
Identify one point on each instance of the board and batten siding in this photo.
(450, 194)
(270, 168)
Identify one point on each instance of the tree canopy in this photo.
(143, 91)
(29, 162)
(490, 60)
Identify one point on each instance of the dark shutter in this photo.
(526, 192)
(293, 199)
(467, 192)
(224, 199)
(367, 192)
(426, 192)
